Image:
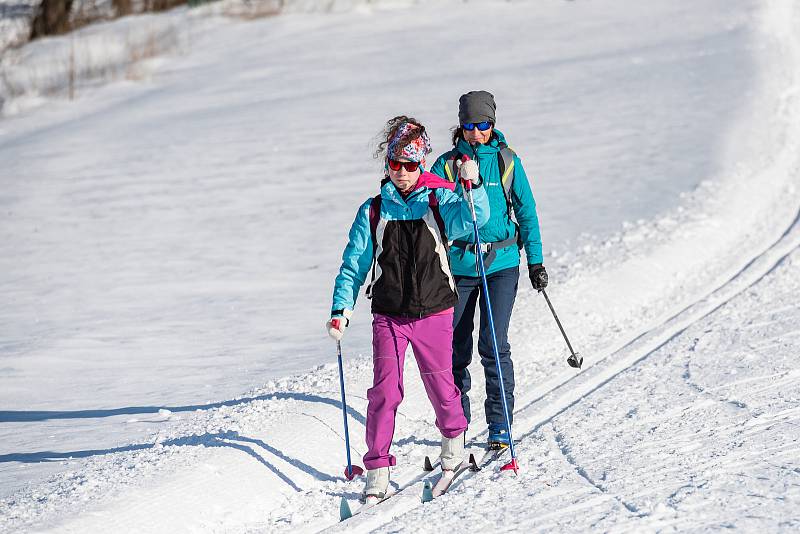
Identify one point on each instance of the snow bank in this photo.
(259, 8)
(117, 49)
(104, 51)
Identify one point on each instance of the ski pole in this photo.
(352, 470)
(512, 465)
(575, 359)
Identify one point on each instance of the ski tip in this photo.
(428, 465)
(427, 492)
(344, 510)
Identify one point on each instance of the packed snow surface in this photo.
(169, 243)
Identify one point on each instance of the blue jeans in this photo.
(502, 292)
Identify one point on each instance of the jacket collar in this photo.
(426, 182)
(492, 147)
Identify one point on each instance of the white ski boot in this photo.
(452, 452)
(377, 485)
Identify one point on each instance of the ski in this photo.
(493, 454)
(346, 512)
(446, 479)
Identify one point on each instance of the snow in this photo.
(169, 243)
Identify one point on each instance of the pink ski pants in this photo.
(431, 339)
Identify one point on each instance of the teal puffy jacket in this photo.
(500, 226)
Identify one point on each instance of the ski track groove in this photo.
(563, 448)
(687, 377)
(607, 368)
(785, 376)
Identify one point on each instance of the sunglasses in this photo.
(482, 126)
(410, 166)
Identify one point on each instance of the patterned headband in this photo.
(416, 150)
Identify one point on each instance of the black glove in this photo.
(538, 276)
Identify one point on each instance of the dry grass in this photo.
(152, 46)
(253, 9)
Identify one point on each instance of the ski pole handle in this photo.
(543, 279)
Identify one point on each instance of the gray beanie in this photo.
(476, 106)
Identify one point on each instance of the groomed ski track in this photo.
(565, 392)
(557, 398)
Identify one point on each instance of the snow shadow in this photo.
(21, 416)
(230, 439)
(319, 475)
(51, 456)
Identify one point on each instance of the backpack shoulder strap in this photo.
(450, 168)
(433, 205)
(374, 219)
(505, 163)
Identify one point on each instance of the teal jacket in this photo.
(500, 225)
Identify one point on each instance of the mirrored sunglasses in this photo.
(410, 166)
(482, 126)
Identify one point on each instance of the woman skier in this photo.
(400, 237)
(509, 192)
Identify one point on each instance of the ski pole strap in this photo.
(488, 249)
